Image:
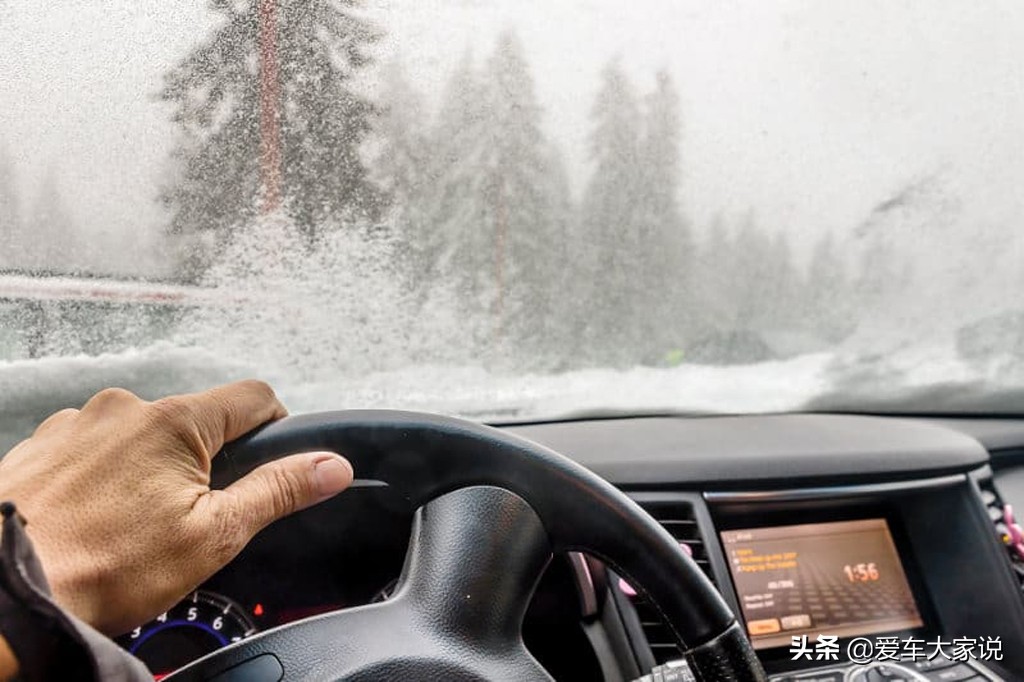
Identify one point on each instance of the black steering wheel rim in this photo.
(427, 456)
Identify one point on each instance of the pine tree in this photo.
(11, 236)
(883, 274)
(781, 283)
(403, 130)
(829, 304)
(320, 46)
(768, 281)
(527, 192)
(664, 239)
(402, 169)
(453, 252)
(55, 243)
(500, 204)
(751, 252)
(610, 220)
(716, 287)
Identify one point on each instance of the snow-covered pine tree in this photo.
(781, 285)
(402, 169)
(665, 241)
(11, 237)
(610, 224)
(751, 251)
(55, 244)
(716, 282)
(527, 196)
(453, 251)
(323, 120)
(829, 303)
(499, 207)
(767, 280)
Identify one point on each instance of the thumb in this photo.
(279, 488)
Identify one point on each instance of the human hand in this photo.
(118, 502)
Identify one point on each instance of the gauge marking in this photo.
(174, 624)
(187, 631)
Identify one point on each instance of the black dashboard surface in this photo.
(794, 449)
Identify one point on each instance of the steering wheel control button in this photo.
(884, 672)
(263, 668)
(937, 663)
(815, 676)
(678, 671)
(673, 671)
(957, 673)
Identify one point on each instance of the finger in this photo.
(224, 413)
(271, 492)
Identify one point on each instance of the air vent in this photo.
(680, 521)
(995, 506)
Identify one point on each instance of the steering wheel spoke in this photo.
(474, 560)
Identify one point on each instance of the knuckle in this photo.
(57, 418)
(178, 419)
(230, 412)
(174, 412)
(112, 396)
(259, 388)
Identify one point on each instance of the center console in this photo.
(891, 581)
(837, 579)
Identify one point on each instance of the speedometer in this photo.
(202, 623)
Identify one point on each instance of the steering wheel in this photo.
(492, 508)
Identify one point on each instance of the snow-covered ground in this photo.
(921, 378)
(34, 388)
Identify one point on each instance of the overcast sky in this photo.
(807, 113)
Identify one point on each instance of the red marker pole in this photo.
(270, 118)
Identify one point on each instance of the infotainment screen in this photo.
(843, 578)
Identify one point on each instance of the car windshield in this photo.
(514, 210)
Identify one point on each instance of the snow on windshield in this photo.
(513, 210)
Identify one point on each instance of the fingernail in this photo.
(333, 474)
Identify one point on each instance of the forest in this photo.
(463, 197)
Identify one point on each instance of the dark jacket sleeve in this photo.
(50, 643)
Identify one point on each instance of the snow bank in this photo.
(923, 378)
(33, 389)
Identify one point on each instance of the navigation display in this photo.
(843, 578)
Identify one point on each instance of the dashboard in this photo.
(822, 532)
